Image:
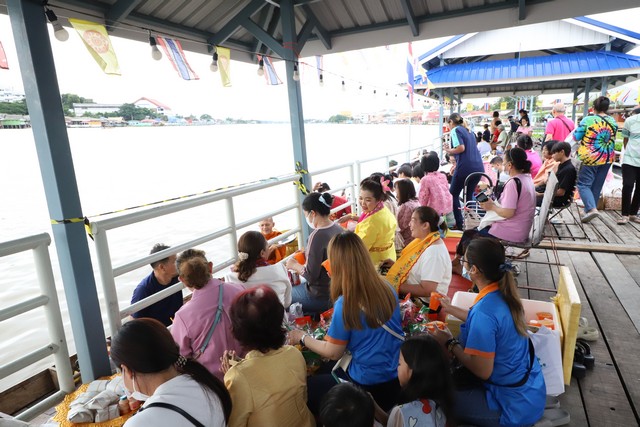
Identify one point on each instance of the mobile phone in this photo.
(482, 197)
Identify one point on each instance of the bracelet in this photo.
(302, 339)
(451, 343)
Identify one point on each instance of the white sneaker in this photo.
(590, 216)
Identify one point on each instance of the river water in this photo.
(125, 167)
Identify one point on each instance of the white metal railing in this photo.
(48, 299)
(108, 272)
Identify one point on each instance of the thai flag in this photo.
(626, 95)
(410, 75)
(173, 49)
(486, 106)
(269, 72)
(557, 101)
(3, 58)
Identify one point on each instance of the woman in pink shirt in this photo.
(407, 203)
(526, 143)
(207, 309)
(434, 188)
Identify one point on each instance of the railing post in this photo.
(107, 279)
(231, 214)
(54, 318)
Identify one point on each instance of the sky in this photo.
(382, 69)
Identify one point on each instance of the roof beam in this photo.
(304, 34)
(522, 10)
(236, 22)
(273, 25)
(265, 16)
(120, 10)
(264, 37)
(411, 18)
(322, 34)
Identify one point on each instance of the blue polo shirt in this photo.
(490, 332)
(375, 351)
(165, 309)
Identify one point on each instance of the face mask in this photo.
(309, 222)
(136, 394)
(465, 274)
(496, 170)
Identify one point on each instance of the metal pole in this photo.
(441, 121)
(605, 86)
(54, 318)
(574, 101)
(58, 175)
(231, 214)
(289, 38)
(107, 278)
(587, 89)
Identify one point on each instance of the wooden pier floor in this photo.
(609, 289)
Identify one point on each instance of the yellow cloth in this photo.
(97, 41)
(378, 233)
(399, 271)
(278, 254)
(269, 390)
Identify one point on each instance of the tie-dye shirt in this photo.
(597, 137)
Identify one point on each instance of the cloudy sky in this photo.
(380, 68)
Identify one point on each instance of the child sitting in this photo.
(427, 387)
(347, 405)
(434, 188)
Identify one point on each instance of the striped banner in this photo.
(3, 58)
(269, 72)
(486, 106)
(173, 49)
(410, 75)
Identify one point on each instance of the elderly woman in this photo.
(252, 268)
(176, 390)
(468, 161)
(366, 321)
(314, 293)
(407, 202)
(424, 265)
(269, 386)
(507, 387)
(377, 224)
(202, 327)
(517, 204)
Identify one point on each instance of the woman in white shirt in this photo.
(252, 268)
(175, 390)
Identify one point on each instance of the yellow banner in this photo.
(469, 106)
(224, 65)
(97, 42)
(503, 105)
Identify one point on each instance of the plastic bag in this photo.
(547, 346)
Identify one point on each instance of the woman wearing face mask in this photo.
(314, 293)
(175, 390)
(252, 268)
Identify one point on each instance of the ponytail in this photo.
(509, 290)
(250, 245)
(207, 380)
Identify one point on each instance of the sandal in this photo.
(552, 402)
(623, 220)
(554, 417)
(586, 332)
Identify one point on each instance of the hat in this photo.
(392, 163)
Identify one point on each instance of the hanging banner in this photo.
(97, 42)
(173, 49)
(469, 107)
(269, 72)
(3, 59)
(224, 65)
(503, 105)
(410, 75)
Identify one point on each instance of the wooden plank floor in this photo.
(609, 289)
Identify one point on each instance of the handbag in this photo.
(613, 200)
(344, 362)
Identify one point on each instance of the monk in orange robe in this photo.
(276, 252)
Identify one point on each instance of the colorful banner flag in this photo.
(503, 105)
(469, 106)
(3, 58)
(224, 65)
(269, 72)
(173, 49)
(486, 106)
(97, 42)
(320, 66)
(625, 96)
(557, 101)
(410, 76)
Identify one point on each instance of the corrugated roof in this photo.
(542, 74)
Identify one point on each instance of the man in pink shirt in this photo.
(194, 321)
(559, 127)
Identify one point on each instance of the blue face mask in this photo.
(465, 273)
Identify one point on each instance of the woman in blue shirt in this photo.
(468, 161)
(494, 347)
(365, 322)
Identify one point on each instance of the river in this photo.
(124, 167)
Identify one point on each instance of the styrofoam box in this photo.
(531, 307)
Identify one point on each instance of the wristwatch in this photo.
(451, 343)
(302, 339)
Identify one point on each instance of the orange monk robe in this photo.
(278, 254)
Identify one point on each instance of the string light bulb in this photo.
(344, 87)
(214, 62)
(261, 67)
(155, 52)
(296, 73)
(59, 31)
(321, 79)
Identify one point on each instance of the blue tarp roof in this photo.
(554, 67)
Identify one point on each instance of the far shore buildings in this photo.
(79, 109)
